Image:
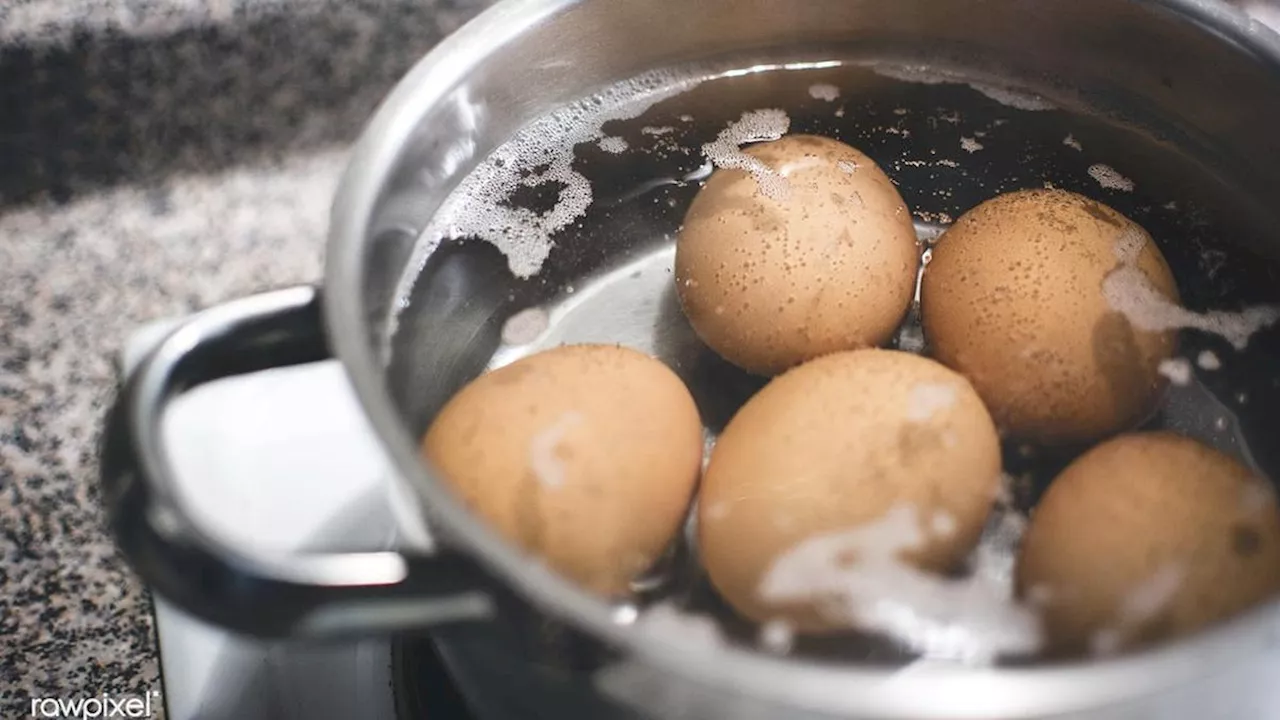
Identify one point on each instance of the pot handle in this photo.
(248, 591)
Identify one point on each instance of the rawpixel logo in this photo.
(96, 706)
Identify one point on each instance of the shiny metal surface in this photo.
(224, 582)
(1205, 69)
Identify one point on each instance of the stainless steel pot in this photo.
(511, 627)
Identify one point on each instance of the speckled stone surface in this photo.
(156, 156)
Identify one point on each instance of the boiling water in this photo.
(567, 233)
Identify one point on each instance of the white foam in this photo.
(542, 450)
(525, 326)
(754, 126)
(1014, 98)
(1178, 370)
(699, 631)
(1152, 595)
(926, 399)
(935, 218)
(824, 91)
(777, 636)
(1143, 603)
(540, 154)
(1208, 360)
(1071, 142)
(1129, 247)
(928, 75)
(943, 524)
(970, 145)
(1108, 178)
(662, 130)
(847, 166)
(974, 619)
(625, 613)
(614, 145)
(1255, 497)
(1128, 291)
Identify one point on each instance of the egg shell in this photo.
(1147, 537)
(769, 281)
(586, 456)
(1013, 299)
(832, 445)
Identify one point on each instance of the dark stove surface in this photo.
(421, 683)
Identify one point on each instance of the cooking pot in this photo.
(1199, 76)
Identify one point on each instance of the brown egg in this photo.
(813, 253)
(585, 455)
(833, 445)
(1147, 537)
(1013, 300)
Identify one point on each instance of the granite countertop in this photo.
(156, 156)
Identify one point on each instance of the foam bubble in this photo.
(1208, 360)
(777, 636)
(1013, 98)
(973, 619)
(1178, 370)
(1256, 497)
(625, 613)
(614, 145)
(1108, 178)
(1071, 142)
(541, 154)
(525, 326)
(847, 166)
(754, 126)
(1128, 291)
(927, 399)
(943, 524)
(928, 75)
(1129, 247)
(824, 91)
(699, 631)
(970, 145)
(1144, 602)
(542, 450)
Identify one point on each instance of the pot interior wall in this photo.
(1187, 115)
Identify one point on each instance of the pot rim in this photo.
(928, 692)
